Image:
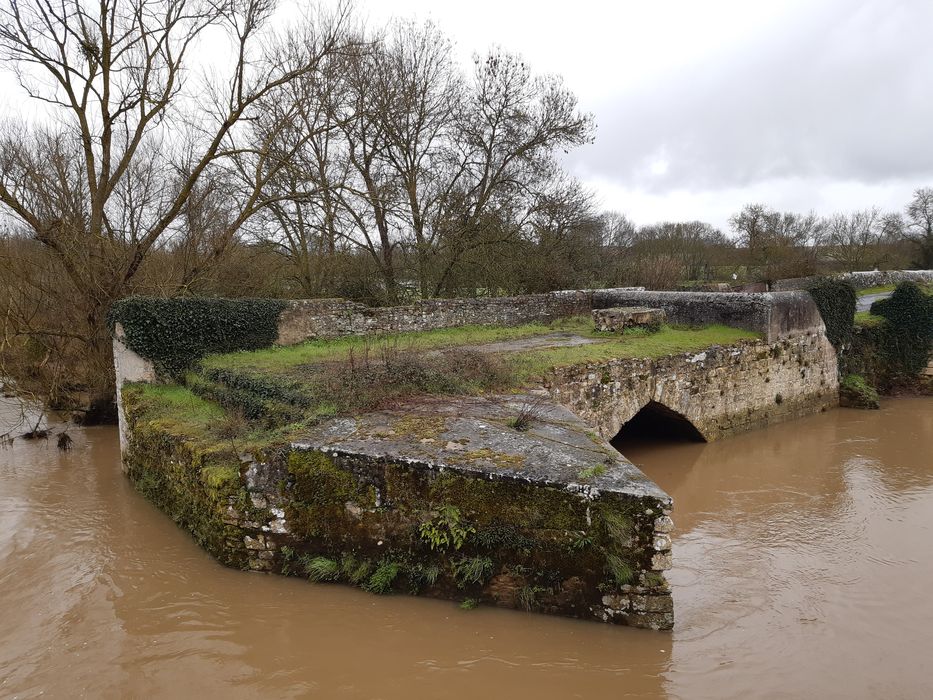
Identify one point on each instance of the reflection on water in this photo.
(802, 569)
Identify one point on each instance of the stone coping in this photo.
(473, 435)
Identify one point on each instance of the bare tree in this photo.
(305, 218)
(132, 133)
(371, 197)
(852, 239)
(418, 93)
(918, 226)
(618, 229)
(510, 125)
(778, 244)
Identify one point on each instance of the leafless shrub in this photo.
(65, 441)
(231, 427)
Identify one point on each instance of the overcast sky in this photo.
(703, 106)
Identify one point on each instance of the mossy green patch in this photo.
(220, 476)
(485, 454)
(196, 493)
(866, 319)
(669, 340)
(490, 501)
(318, 479)
(320, 494)
(173, 408)
(879, 289)
(855, 392)
(421, 427)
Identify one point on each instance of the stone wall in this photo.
(774, 315)
(860, 280)
(720, 391)
(128, 367)
(333, 318)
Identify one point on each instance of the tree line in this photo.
(190, 147)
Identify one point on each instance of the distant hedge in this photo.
(836, 301)
(176, 333)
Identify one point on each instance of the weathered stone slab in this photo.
(617, 319)
(776, 315)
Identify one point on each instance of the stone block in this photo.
(663, 525)
(652, 620)
(617, 319)
(616, 602)
(254, 543)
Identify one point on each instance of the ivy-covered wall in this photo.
(174, 333)
(891, 349)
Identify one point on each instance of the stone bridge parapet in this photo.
(720, 391)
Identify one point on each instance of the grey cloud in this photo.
(843, 92)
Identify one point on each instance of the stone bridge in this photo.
(557, 520)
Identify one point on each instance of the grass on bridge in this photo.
(269, 396)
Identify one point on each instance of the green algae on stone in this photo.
(323, 495)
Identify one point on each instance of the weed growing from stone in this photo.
(383, 577)
(504, 537)
(471, 570)
(446, 529)
(469, 604)
(619, 569)
(581, 541)
(528, 596)
(591, 472)
(355, 570)
(321, 569)
(288, 556)
(424, 574)
(528, 413)
(618, 526)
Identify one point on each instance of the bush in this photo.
(175, 333)
(909, 312)
(836, 301)
(891, 353)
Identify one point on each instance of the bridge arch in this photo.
(656, 422)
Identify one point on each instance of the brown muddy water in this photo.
(803, 569)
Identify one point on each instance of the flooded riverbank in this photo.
(802, 568)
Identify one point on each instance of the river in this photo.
(803, 568)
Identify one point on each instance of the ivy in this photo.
(175, 333)
(836, 301)
(909, 328)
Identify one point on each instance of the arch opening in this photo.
(656, 423)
